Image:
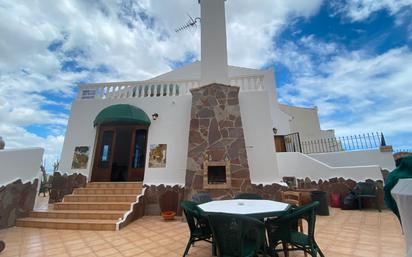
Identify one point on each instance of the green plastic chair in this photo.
(237, 235)
(367, 190)
(198, 224)
(249, 196)
(284, 230)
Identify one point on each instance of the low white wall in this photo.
(257, 128)
(21, 164)
(357, 158)
(301, 166)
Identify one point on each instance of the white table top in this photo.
(243, 206)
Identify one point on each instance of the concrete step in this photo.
(113, 206)
(123, 185)
(77, 224)
(107, 191)
(99, 198)
(78, 214)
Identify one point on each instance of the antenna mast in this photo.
(192, 22)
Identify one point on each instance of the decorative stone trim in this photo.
(62, 185)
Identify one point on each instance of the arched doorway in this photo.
(120, 153)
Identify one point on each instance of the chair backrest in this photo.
(280, 228)
(201, 198)
(250, 196)
(190, 214)
(365, 188)
(292, 197)
(196, 219)
(230, 232)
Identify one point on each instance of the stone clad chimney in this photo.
(213, 42)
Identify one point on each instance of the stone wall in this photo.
(216, 135)
(62, 185)
(168, 198)
(341, 186)
(163, 198)
(16, 201)
(268, 192)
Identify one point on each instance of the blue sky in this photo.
(351, 59)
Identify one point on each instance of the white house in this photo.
(118, 125)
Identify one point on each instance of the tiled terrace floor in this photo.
(344, 233)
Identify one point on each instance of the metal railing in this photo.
(346, 143)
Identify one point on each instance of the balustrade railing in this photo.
(157, 88)
(347, 143)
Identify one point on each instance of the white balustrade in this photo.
(145, 89)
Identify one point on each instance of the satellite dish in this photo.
(192, 22)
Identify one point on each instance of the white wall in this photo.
(357, 158)
(171, 128)
(21, 164)
(280, 120)
(302, 166)
(305, 121)
(192, 72)
(213, 42)
(257, 128)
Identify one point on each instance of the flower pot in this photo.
(168, 215)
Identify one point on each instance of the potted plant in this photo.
(168, 215)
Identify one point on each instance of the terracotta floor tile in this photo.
(107, 252)
(342, 234)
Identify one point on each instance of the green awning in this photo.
(122, 114)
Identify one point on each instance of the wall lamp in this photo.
(155, 116)
(275, 131)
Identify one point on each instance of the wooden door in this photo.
(280, 144)
(102, 166)
(120, 153)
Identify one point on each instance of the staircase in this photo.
(98, 206)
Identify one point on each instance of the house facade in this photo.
(167, 129)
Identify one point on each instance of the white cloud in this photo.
(356, 92)
(358, 10)
(129, 40)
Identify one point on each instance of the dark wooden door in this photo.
(280, 144)
(103, 157)
(120, 153)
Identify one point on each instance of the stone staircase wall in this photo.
(98, 206)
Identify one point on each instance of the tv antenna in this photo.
(192, 22)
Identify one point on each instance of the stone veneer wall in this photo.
(216, 132)
(161, 197)
(158, 198)
(16, 201)
(341, 186)
(62, 185)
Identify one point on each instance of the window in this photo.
(139, 149)
(106, 149)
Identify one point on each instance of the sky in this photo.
(350, 58)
